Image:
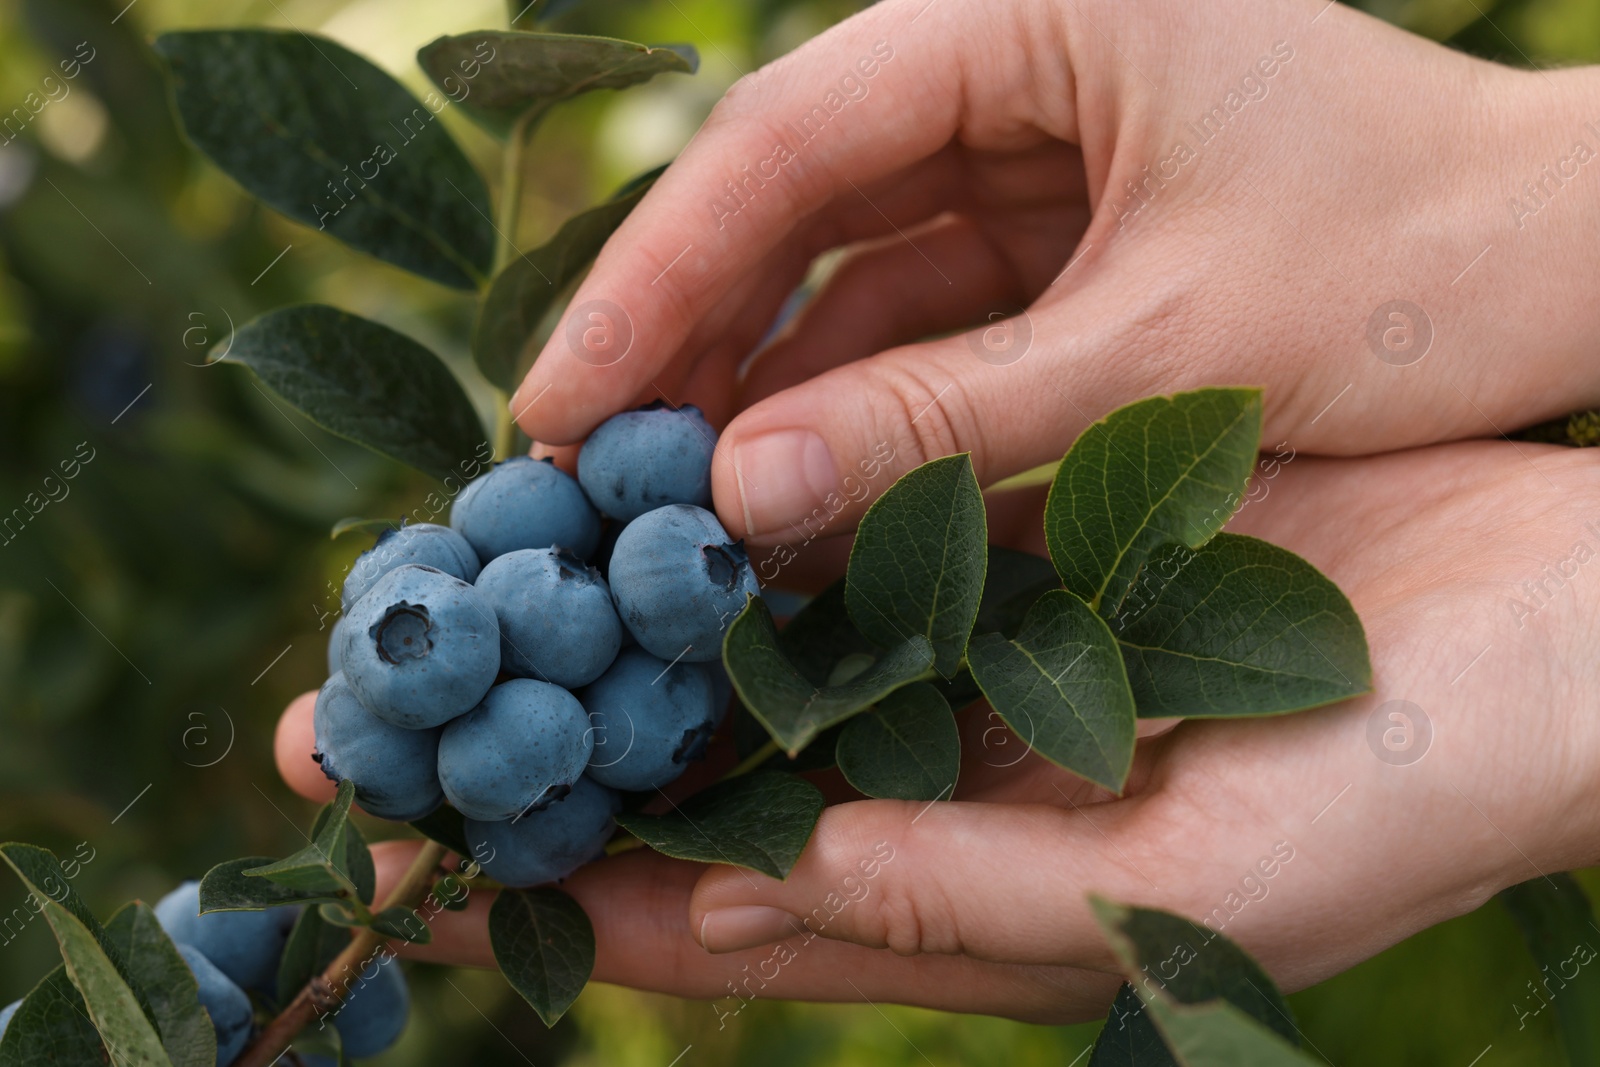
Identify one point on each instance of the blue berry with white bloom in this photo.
(557, 622)
(678, 582)
(426, 543)
(421, 647)
(395, 770)
(519, 750)
(646, 459)
(651, 720)
(229, 1007)
(525, 503)
(546, 846)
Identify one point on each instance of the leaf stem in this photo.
(754, 760)
(326, 991)
(510, 206)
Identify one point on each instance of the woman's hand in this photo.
(1468, 565)
(1289, 194)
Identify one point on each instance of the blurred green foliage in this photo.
(168, 599)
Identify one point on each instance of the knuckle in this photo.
(911, 920)
(930, 418)
(883, 904)
(742, 101)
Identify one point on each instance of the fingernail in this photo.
(746, 926)
(783, 477)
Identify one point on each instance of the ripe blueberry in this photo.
(650, 719)
(244, 945)
(678, 582)
(335, 646)
(374, 1011)
(546, 846)
(556, 619)
(646, 459)
(525, 503)
(395, 770)
(520, 749)
(227, 1004)
(421, 647)
(426, 543)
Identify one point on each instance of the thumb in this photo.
(999, 882)
(1014, 392)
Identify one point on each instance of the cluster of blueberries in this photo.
(558, 643)
(234, 953)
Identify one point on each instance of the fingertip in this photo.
(292, 747)
(563, 456)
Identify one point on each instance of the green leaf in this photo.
(47, 882)
(524, 291)
(403, 923)
(1129, 1038)
(502, 77)
(907, 748)
(790, 706)
(167, 983)
(357, 862)
(52, 1026)
(451, 893)
(1012, 582)
(1166, 469)
(760, 820)
(50, 889)
(1212, 1005)
(821, 636)
(363, 382)
(335, 913)
(961, 691)
(356, 524)
(446, 826)
(544, 943)
(313, 944)
(749, 736)
(1238, 627)
(333, 142)
(1557, 922)
(112, 1004)
(918, 562)
(1217, 1034)
(335, 864)
(1061, 687)
(227, 887)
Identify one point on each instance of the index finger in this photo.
(843, 110)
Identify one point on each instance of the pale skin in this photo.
(989, 155)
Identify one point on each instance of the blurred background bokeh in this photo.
(158, 608)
